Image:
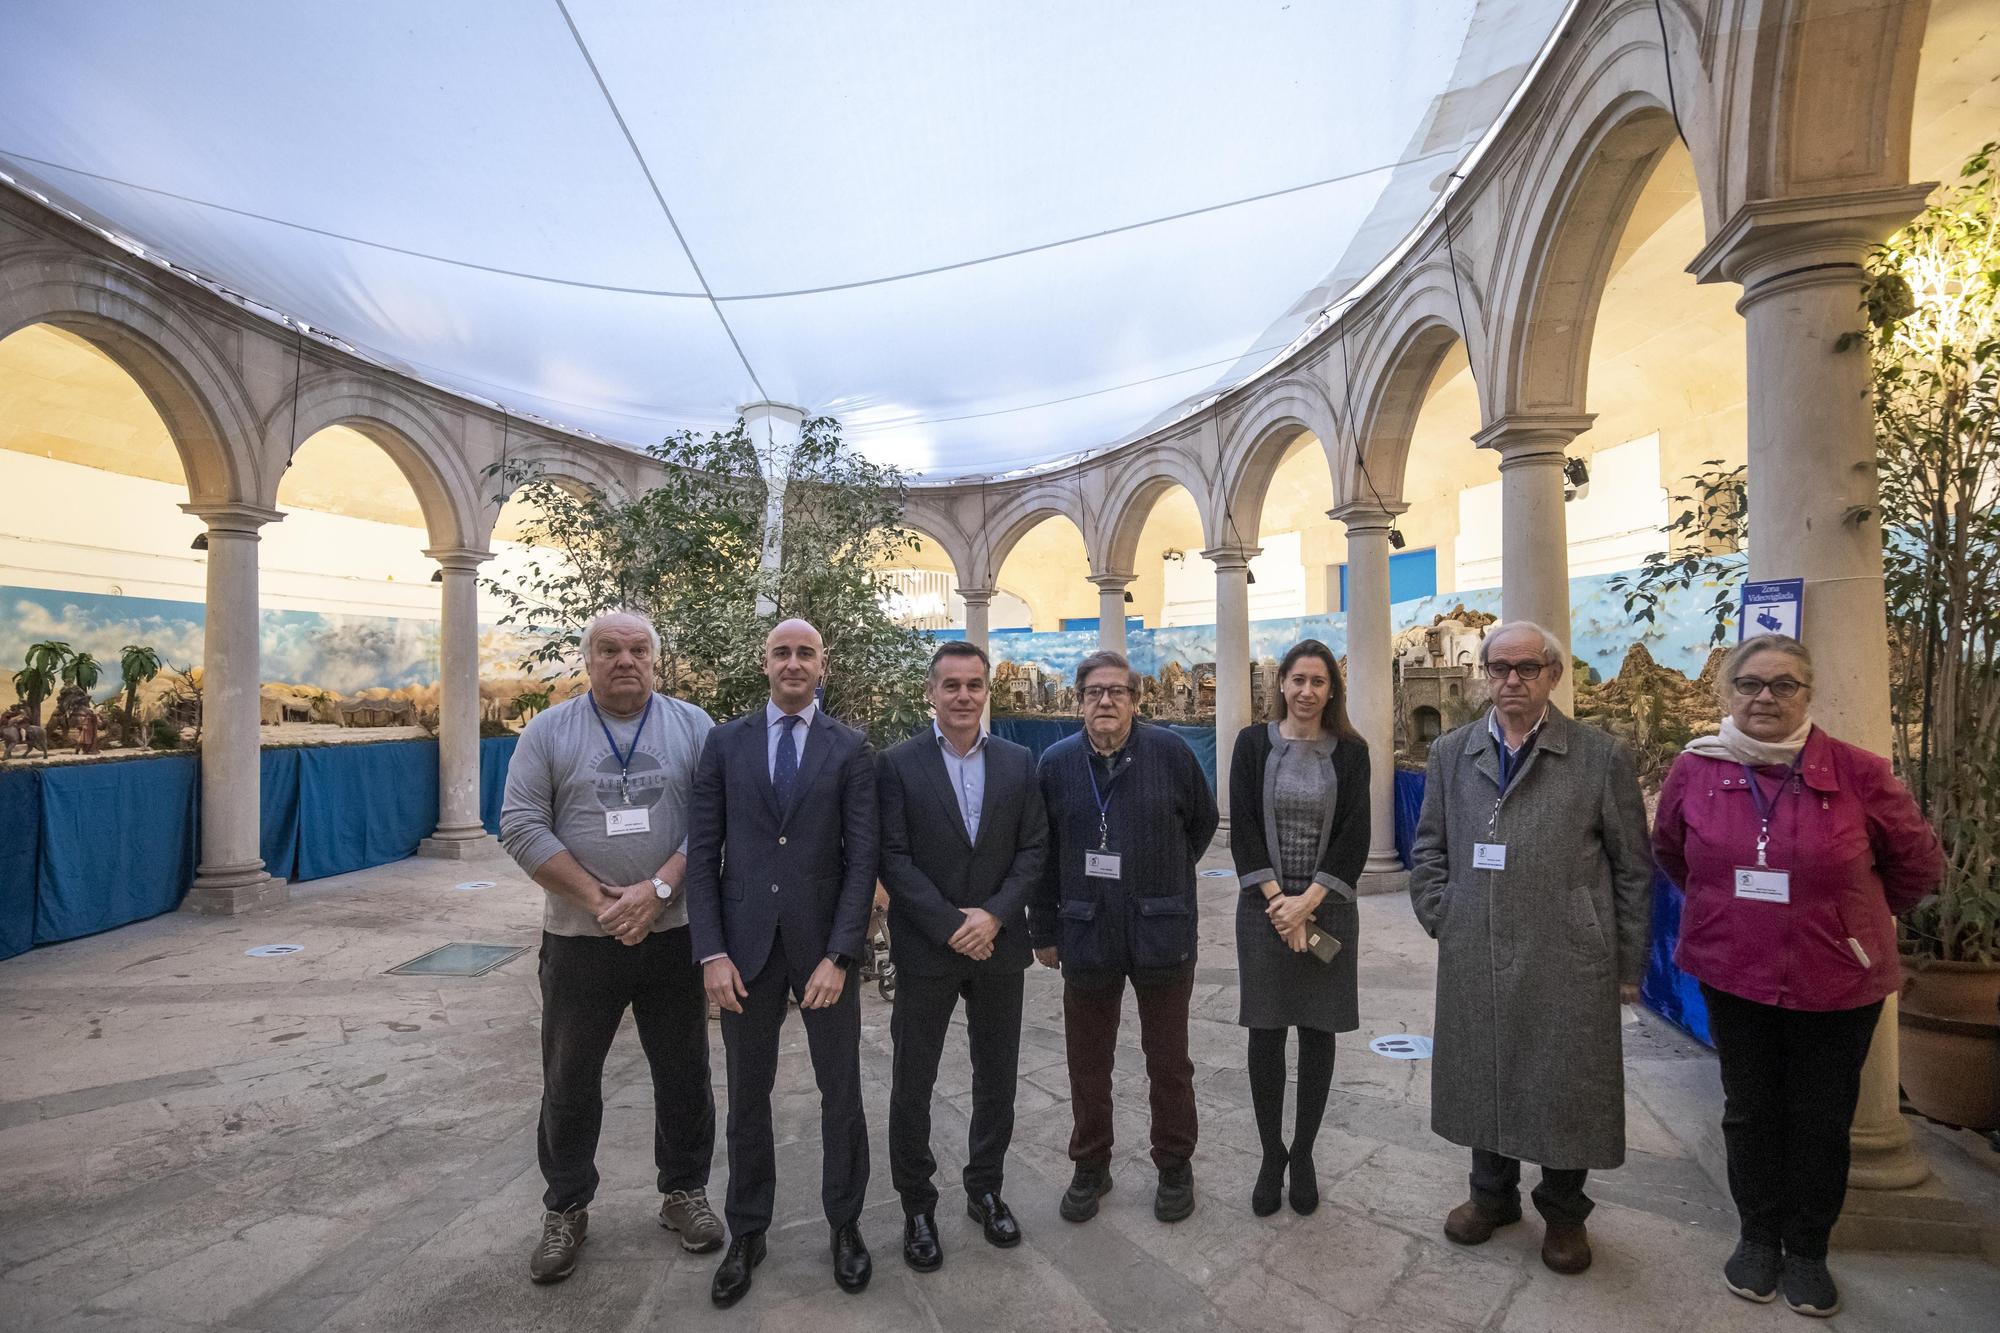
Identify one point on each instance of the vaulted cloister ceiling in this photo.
(983, 235)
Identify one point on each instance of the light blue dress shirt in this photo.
(774, 729)
(968, 778)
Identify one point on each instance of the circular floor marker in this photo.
(274, 950)
(1215, 874)
(1402, 1046)
(472, 884)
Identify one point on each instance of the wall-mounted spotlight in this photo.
(1129, 598)
(1173, 553)
(1250, 576)
(200, 542)
(1576, 479)
(437, 576)
(1396, 541)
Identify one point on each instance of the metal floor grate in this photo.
(458, 960)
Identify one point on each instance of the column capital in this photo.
(1520, 437)
(233, 519)
(976, 596)
(1367, 516)
(1231, 557)
(1812, 238)
(459, 559)
(1111, 582)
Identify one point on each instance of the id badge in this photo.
(1489, 856)
(1101, 865)
(1763, 885)
(620, 819)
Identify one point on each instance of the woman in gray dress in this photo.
(1298, 801)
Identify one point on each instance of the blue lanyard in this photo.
(624, 759)
(1103, 801)
(1768, 807)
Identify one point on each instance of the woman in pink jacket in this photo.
(1795, 851)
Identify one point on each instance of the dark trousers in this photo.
(1090, 1032)
(587, 983)
(750, 1039)
(993, 1031)
(1496, 1186)
(1790, 1080)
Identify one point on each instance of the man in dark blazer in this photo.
(781, 874)
(962, 835)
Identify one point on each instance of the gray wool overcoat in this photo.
(1529, 1060)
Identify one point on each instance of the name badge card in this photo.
(1101, 865)
(1489, 856)
(1764, 886)
(627, 819)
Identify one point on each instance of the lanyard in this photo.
(1103, 802)
(625, 759)
(1767, 808)
(1510, 767)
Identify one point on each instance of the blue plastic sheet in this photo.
(364, 805)
(1409, 804)
(495, 753)
(118, 844)
(20, 852)
(1668, 991)
(278, 804)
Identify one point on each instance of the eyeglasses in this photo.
(1525, 670)
(1784, 687)
(1094, 693)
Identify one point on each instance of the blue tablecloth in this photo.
(20, 853)
(117, 844)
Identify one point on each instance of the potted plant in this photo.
(1933, 305)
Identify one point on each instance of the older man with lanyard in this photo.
(1533, 872)
(596, 814)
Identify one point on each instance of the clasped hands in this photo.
(628, 912)
(1291, 914)
(974, 937)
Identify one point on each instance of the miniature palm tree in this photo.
(46, 666)
(137, 664)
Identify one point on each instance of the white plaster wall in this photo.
(1615, 525)
(1279, 592)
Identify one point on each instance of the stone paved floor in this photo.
(192, 1138)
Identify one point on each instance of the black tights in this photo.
(1267, 1087)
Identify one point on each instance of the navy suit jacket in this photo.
(804, 875)
(932, 869)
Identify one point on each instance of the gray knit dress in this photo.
(1280, 988)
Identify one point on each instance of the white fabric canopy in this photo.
(984, 236)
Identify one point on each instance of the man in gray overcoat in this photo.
(1533, 873)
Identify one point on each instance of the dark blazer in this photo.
(753, 868)
(932, 871)
(1161, 816)
(1252, 827)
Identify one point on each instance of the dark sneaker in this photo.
(1752, 1272)
(1809, 1288)
(1473, 1223)
(562, 1237)
(1174, 1199)
(1086, 1187)
(686, 1212)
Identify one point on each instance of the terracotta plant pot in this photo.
(1949, 1024)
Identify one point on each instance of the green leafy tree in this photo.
(137, 664)
(44, 670)
(1933, 339)
(83, 671)
(686, 553)
(1706, 535)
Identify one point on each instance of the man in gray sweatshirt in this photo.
(596, 814)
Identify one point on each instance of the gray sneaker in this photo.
(687, 1212)
(562, 1237)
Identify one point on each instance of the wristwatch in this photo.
(840, 960)
(664, 890)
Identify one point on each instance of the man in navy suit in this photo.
(781, 874)
(962, 835)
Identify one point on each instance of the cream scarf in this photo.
(1732, 744)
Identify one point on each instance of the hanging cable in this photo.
(1354, 436)
(1667, 59)
(298, 361)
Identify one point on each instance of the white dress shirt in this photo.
(968, 777)
(774, 727)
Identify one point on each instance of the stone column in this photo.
(459, 829)
(1111, 610)
(1232, 664)
(978, 606)
(229, 871)
(1534, 534)
(1812, 464)
(1371, 688)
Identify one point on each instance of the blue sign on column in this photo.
(1770, 607)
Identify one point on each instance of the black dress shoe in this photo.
(732, 1275)
(995, 1218)
(921, 1250)
(851, 1264)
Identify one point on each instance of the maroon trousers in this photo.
(1090, 1028)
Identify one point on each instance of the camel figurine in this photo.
(16, 729)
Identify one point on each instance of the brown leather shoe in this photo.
(1566, 1247)
(1473, 1223)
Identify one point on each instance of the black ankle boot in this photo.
(1305, 1183)
(1266, 1194)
